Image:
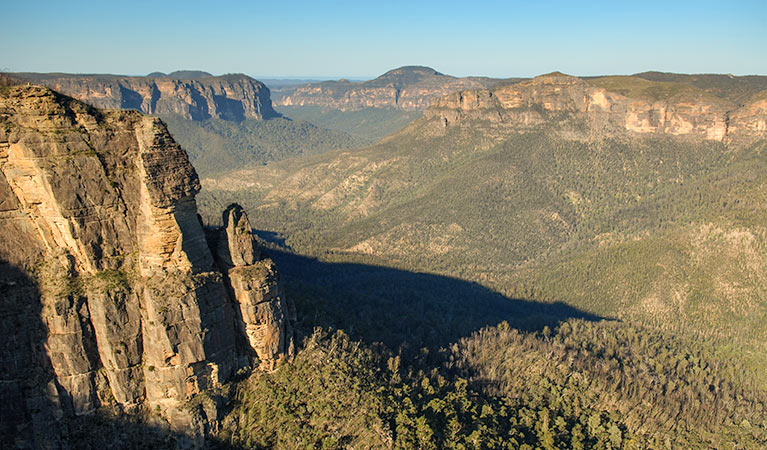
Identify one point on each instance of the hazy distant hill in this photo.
(371, 109)
(406, 88)
(181, 74)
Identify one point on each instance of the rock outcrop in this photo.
(111, 295)
(534, 102)
(254, 283)
(408, 88)
(230, 97)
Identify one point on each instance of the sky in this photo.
(356, 39)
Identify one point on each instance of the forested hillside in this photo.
(369, 123)
(517, 276)
(218, 146)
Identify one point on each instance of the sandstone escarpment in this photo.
(530, 103)
(407, 88)
(106, 262)
(229, 97)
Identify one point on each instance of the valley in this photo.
(553, 262)
(621, 198)
(569, 205)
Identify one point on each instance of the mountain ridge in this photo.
(195, 95)
(408, 88)
(652, 108)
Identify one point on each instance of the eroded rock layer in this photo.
(254, 282)
(661, 108)
(110, 293)
(408, 88)
(230, 97)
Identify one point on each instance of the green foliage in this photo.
(601, 385)
(636, 87)
(665, 235)
(735, 89)
(111, 280)
(370, 123)
(217, 145)
(641, 228)
(661, 389)
(328, 397)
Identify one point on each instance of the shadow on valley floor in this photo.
(397, 307)
(99, 432)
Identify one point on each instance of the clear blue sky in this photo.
(329, 39)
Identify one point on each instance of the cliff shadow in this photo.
(402, 308)
(229, 109)
(130, 99)
(34, 411)
(27, 408)
(101, 431)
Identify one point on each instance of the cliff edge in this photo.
(233, 97)
(112, 297)
(410, 88)
(609, 105)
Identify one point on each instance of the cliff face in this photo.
(533, 102)
(111, 293)
(229, 97)
(407, 88)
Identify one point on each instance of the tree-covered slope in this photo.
(369, 123)
(655, 226)
(534, 276)
(537, 195)
(217, 146)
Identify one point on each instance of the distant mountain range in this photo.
(224, 122)
(407, 88)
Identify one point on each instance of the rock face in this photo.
(533, 102)
(407, 88)
(111, 296)
(254, 283)
(229, 97)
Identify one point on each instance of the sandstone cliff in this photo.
(407, 88)
(111, 296)
(610, 104)
(231, 97)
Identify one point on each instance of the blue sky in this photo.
(330, 39)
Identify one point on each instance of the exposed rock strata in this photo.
(230, 97)
(534, 102)
(117, 300)
(254, 284)
(407, 88)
